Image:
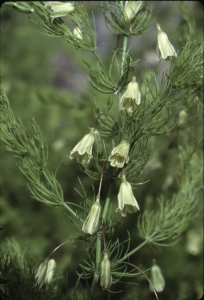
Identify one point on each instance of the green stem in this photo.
(97, 267)
(136, 249)
(107, 202)
(98, 243)
(125, 40)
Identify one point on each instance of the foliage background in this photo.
(46, 78)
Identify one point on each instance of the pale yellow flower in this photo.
(127, 203)
(105, 273)
(83, 150)
(164, 48)
(119, 155)
(157, 279)
(131, 98)
(92, 221)
(59, 9)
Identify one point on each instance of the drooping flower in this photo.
(127, 203)
(132, 8)
(105, 272)
(83, 150)
(92, 221)
(157, 279)
(131, 98)
(59, 9)
(119, 155)
(164, 48)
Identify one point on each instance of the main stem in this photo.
(125, 40)
(98, 243)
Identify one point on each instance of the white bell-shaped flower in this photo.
(59, 9)
(119, 155)
(164, 48)
(127, 203)
(83, 150)
(131, 98)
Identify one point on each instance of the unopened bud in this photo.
(41, 273)
(182, 118)
(50, 272)
(157, 279)
(132, 8)
(97, 142)
(105, 273)
(92, 221)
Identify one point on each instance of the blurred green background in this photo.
(45, 77)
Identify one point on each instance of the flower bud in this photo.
(157, 279)
(164, 47)
(182, 118)
(132, 8)
(50, 272)
(126, 200)
(97, 142)
(77, 32)
(131, 98)
(41, 273)
(105, 273)
(92, 221)
(119, 155)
